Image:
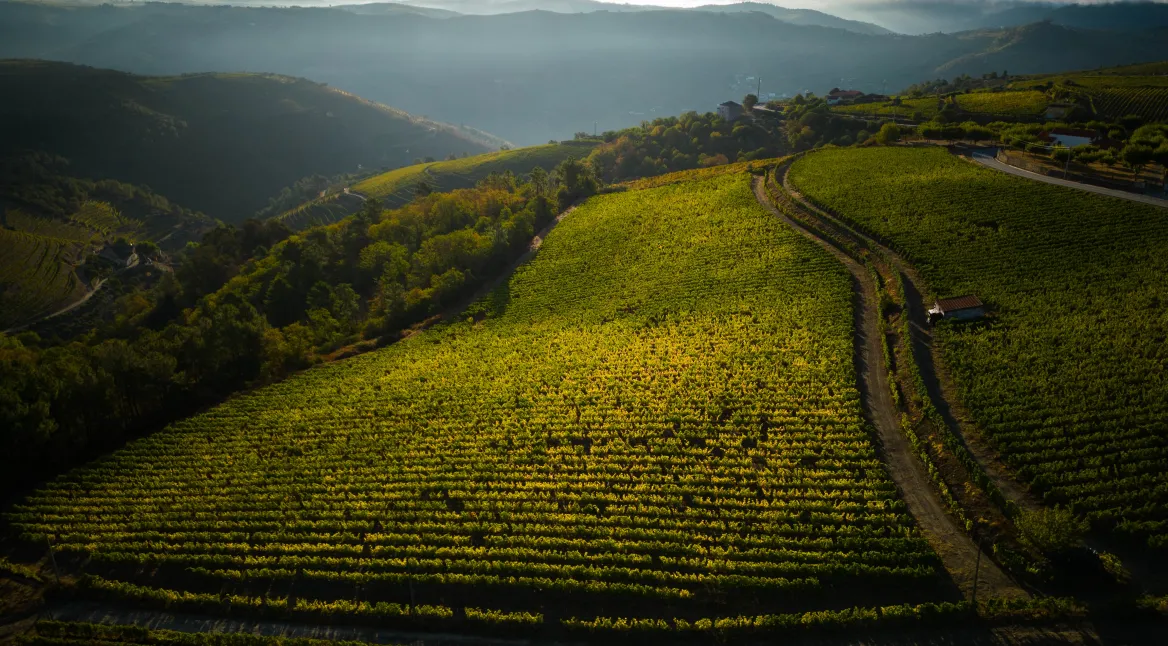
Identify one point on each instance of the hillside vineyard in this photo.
(1066, 379)
(656, 417)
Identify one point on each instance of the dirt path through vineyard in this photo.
(957, 551)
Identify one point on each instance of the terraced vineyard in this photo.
(1150, 102)
(396, 187)
(1067, 378)
(656, 418)
(38, 257)
(1021, 103)
(35, 277)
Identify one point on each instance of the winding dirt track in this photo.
(938, 382)
(957, 551)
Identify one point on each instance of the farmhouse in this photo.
(730, 110)
(837, 95)
(960, 308)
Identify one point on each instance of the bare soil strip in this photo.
(957, 550)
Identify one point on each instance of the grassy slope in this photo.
(396, 187)
(1068, 380)
(218, 143)
(657, 414)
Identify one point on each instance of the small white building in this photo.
(959, 308)
(730, 110)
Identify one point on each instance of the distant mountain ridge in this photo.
(539, 75)
(218, 143)
(932, 16)
(792, 16)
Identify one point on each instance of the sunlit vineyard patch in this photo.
(657, 418)
(1068, 377)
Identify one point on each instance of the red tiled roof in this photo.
(845, 93)
(958, 303)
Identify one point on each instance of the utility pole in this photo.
(593, 128)
(758, 92)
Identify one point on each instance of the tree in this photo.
(1136, 157)
(749, 101)
(1161, 157)
(423, 188)
(889, 133)
(539, 181)
(1051, 531)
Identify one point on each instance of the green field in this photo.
(1067, 379)
(655, 418)
(396, 187)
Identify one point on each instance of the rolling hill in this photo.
(396, 187)
(217, 143)
(535, 76)
(655, 419)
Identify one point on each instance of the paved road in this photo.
(985, 157)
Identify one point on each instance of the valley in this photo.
(284, 365)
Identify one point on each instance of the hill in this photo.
(1110, 94)
(1063, 380)
(217, 143)
(397, 187)
(654, 418)
(798, 16)
(535, 76)
(931, 16)
(52, 226)
(793, 16)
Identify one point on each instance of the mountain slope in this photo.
(799, 16)
(539, 75)
(930, 16)
(398, 187)
(217, 143)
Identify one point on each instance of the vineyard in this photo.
(35, 275)
(1066, 378)
(651, 425)
(1150, 103)
(38, 257)
(397, 187)
(1015, 104)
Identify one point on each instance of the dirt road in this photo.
(941, 389)
(957, 551)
